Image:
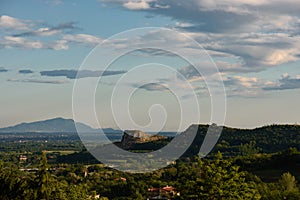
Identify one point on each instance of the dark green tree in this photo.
(249, 149)
(43, 179)
(288, 182)
(222, 180)
(12, 183)
(216, 179)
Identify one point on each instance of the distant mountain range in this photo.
(268, 139)
(56, 125)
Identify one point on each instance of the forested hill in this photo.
(269, 138)
(231, 141)
(266, 139)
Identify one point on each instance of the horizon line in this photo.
(227, 126)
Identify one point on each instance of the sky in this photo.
(47, 47)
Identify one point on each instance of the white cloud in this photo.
(257, 33)
(10, 42)
(226, 15)
(57, 39)
(19, 42)
(282, 56)
(286, 82)
(8, 22)
(137, 5)
(244, 86)
(59, 44)
(41, 32)
(256, 51)
(248, 82)
(82, 39)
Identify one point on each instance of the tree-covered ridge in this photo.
(269, 139)
(232, 141)
(266, 139)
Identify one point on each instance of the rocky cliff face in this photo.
(131, 137)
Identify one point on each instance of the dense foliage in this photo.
(192, 178)
(254, 164)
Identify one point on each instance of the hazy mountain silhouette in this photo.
(56, 125)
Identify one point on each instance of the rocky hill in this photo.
(132, 138)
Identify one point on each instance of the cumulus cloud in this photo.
(259, 50)
(143, 4)
(201, 14)
(20, 42)
(7, 22)
(82, 39)
(25, 71)
(246, 82)
(74, 74)
(10, 41)
(58, 37)
(258, 34)
(252, 86)
(38, 81)
(137, 4)
(191, 84)
(229, 16)
(282, 56)
(236, 85)
(243, 86)
(285, 83)
(247, 52)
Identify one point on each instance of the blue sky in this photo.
(255, 45)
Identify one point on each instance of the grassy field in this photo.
(61, 152)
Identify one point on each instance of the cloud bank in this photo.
(256, 34)
(38, 81)
(74, 74)
(31, 35)
(285, 83)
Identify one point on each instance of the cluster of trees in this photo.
(15, 184)
(193, 178)
(268, 139)
(285, 188)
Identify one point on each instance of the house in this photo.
(22, 158)
(120, 179)
(162, 193)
